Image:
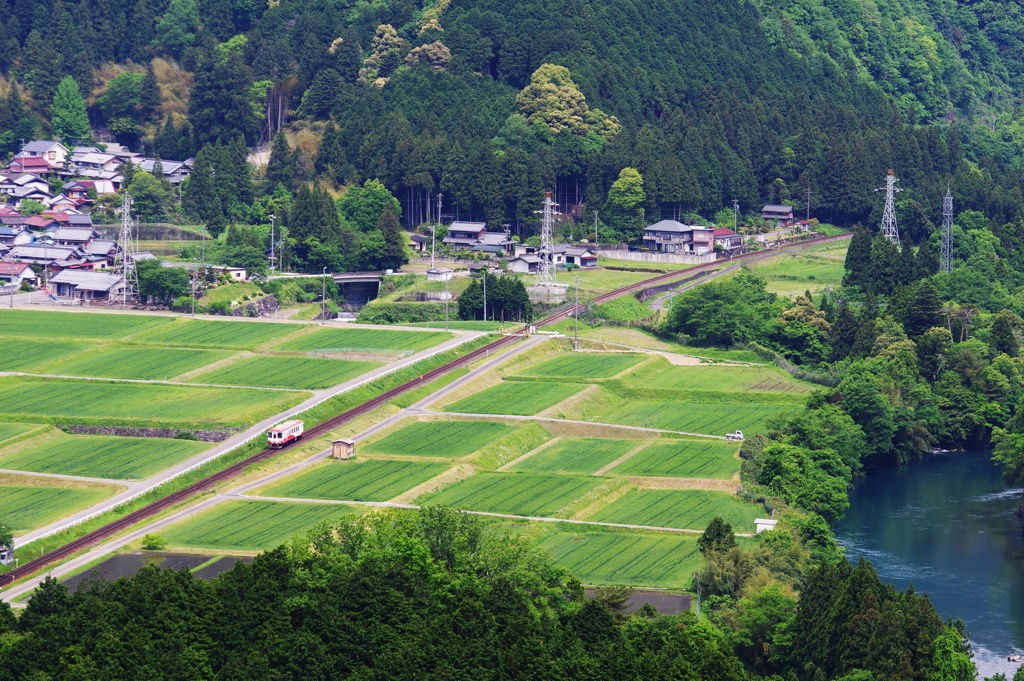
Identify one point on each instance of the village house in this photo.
(781, 216)
(73, 236)
(669, 236)
(44, 254)
(86, 286)
(475, 237)
(579, 256)
(14, 235)
(174, 171)
(729, 241)
(15, 273)
(524, 264)
(54, 153)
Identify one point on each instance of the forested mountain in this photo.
(711, 102)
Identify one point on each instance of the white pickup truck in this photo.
(734, 437)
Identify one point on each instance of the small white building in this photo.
(16, 273)
(764, 524)
(85, 285)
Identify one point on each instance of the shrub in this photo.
(153, 542)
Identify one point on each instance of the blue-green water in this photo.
(947, 525)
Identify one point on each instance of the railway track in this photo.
(330, 424)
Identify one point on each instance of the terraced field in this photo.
(99, 456)
(10, 430)
(373, 480)
(665, 376)
(585, 365)
(157, 364)
(439, 438)
(24, 507)
(682, 459)
(28, 399)
(630, 559)
(306, 373)
(234, 335)
(576, 456)
(355, 340)
(516, 493)
(695, 417)
(251, 525)
(74, 325)
(683, 509)
(28, 355)
(516, 398)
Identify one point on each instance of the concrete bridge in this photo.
(358, 288)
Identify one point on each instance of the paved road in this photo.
(222, 448)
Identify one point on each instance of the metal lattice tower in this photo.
(126, 245)
(889, 229)
(947, 231)
(546, 273)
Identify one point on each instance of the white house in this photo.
(16, 272)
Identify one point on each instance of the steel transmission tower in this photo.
(947, 231)
(546, 272)
(126, 244)
(889, 229)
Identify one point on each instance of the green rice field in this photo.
(24, 508)
(689, 509)
(516, 398)
(717, 379)
(156, 364)
(374, 480)
(101, 456)
(28, 355)
(625, 309)
(585, 365)
(439, 438)
(74, 325)
(204, 333)
(354, 340)
(576, 456)
(251, 525)
(666, 561)
(695, 417)
(9, 430)
(516, 493)
(682, 459)
(25, 399)
(307, 373)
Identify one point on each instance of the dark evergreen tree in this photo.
(281, 167)
(717, 537)
(395, 254)
(219, 107)
(884, 268)
(924, 310)
(858, 259)
(167, 143)
(217, 19)
(1006, 327)
(199, 199)
(149, 96)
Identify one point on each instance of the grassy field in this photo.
(231, 293)
(27, 399)
(357, 481)
(306, 373)
(374, 340)
(23, 507)
(665, 561)
(75, 325)
(10, 430)
(251, 525)
(709, 418)
(585, 365)
(517, 493)
(812, 268)
(660, 375)
(462, 325)
(28, 355)
(682, 459)
(99, 456)
(235, 335)
(684, 508)
(572, 456)
(158, 364)
(624, 309)
(517, 398)
(439, 438)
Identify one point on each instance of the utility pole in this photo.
(576, 314)
(323, 299)
(125, 242)
(735, 214)
(485, 293)
(595, 228)
(808, 203)
(889, 229)
(194, 275)
(546, 272)
(446, 296)
(947, 231)
(271, 244)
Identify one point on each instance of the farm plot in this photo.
(682, 459)
(386, 341)
(585, 365)
(234, 335)
(100, 456)
(630, 559)
(711, 418)
(25, 507)
(155, 364)
(307, 373)
(28, 355)
(357, 481)
(251, 525)
(452, 439)
(516, 493)
(517, 398)
(28, 399)
(12, 430)
(576, 456)
(716, 379)
(683, 509)
(75, 325)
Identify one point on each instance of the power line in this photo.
(889, 228)
(947, 230)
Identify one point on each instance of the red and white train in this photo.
(284, 433)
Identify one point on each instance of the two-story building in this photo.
(729, 241)
(781, 216)
(55, 153)
(473, 236)
(669, 236)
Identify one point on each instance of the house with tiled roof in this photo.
(15, 273)
(86, 286)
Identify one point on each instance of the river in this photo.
(946, 525)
